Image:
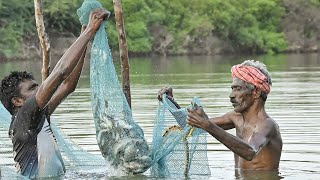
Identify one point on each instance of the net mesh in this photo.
(7, 171)
(186, 152)
(177, 148)
(75, 158)
(120, 139)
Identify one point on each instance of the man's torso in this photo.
(268, 157)
(35, 149)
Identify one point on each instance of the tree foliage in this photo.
(249, 26)
(15, 18)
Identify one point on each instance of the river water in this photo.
(293, 103)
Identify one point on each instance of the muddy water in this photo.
(294, 103)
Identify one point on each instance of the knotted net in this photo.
(177, 148)
(6, 170)
(120, 139)
(75, 158)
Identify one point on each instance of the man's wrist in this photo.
(88, 32)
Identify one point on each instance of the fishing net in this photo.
(120, 139)
(7, 171)
(75, 158)
(177, 148)
(185, 147)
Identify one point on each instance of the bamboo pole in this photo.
(124, 59)
(44, 39)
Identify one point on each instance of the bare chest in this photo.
(245, 131)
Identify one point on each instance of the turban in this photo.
(251, 75)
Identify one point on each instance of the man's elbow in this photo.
(61, 72)
(250, 155)
(69, 87)
(72, 87)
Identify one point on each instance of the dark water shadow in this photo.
(261, 175)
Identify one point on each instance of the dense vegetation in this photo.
(162, 26)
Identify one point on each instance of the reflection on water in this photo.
(294, 103)
(252, 175)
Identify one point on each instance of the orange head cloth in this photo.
(251, 75)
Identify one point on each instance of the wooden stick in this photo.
(44, 39)
(125, 67)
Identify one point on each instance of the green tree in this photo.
(249, 26)
(16, 21)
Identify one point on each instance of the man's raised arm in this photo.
(69, 60)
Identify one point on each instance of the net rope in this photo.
(176, 148)
(120, 139)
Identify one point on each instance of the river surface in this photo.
(294, 103)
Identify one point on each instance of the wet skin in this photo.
(28, 88)
(257, 144)
(60, 83)
(65, 75)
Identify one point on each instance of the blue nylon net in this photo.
(177, 148)
(75, 158)
(120, 139)
(184, 147)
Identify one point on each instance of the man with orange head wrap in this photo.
(257, 144)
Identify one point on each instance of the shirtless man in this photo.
(257, 144)
(35, 148)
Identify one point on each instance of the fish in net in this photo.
(120, 139)
(177, 148)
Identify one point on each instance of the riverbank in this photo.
(215, 27)
(209, 46)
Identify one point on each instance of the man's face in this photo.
(27, 87)
(241, 97)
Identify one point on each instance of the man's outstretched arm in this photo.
(224, 121)
(68, 85)
(246, 150)
(69, 60)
